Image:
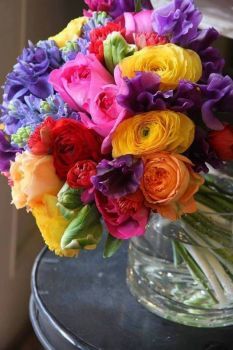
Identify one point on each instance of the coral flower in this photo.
(171, 62)
(152, 132)
(33, 176)
(169, 184)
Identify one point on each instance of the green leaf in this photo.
(111, 246)
(84, 231)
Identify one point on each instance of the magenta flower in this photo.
(126, 217)
(79, 81)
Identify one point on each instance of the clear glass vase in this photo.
(183, 270)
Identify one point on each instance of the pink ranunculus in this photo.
(78, 81)
(104, 111)
(126, 217)
(139, 22)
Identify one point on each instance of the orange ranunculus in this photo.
(33, 176)
(169, 184)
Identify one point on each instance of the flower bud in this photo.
(115, 49)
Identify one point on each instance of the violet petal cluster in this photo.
(217, 98)
(30, 74)
(179, 20)
(7, 153)
(119, 177)
(142, 94)
(201, 153)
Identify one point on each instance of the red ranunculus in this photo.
(222, 142)
(80, 175)
(41, 141)
(72, 142)
(98, 36)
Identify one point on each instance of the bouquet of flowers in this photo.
(114, 118)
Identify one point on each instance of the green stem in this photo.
(194, 269)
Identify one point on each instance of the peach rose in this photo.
(169, 184)
(33, 176)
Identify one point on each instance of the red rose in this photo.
(80, 175)
(41, 141)
(72, 142)
(222, 142)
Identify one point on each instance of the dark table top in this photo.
(85, 304)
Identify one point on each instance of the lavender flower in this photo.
(30, 74)
(33, 111)
(7, 153)
(201, 153)
(72, 48)
(217, 98)
(179, 20)
(119, 177)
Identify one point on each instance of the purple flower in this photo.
(142, 94)
(217, 98)
(30, 74)
(179, 20)
(212, 62)
(7, 152)
(201, 153)
(119, 177)
(116, 7)
(32, 111)
(203, 39)
(211, 58)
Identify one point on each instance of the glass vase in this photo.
(183, 270)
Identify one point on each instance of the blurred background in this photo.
(20, 241)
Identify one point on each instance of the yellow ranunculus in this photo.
(171, 62)
(52, 225)
(70, 33)
(151, 132)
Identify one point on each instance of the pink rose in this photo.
(126, 217)
(79, 81)
(139, 22)
(104, 111)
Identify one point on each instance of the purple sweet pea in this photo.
(218, 97)
(211, 58)
(212, 62)
(119, 177)
(142, 94)
(7, 153)
(179, 20)
(201, 153)
(30, 74)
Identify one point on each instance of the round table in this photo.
(85, 304)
